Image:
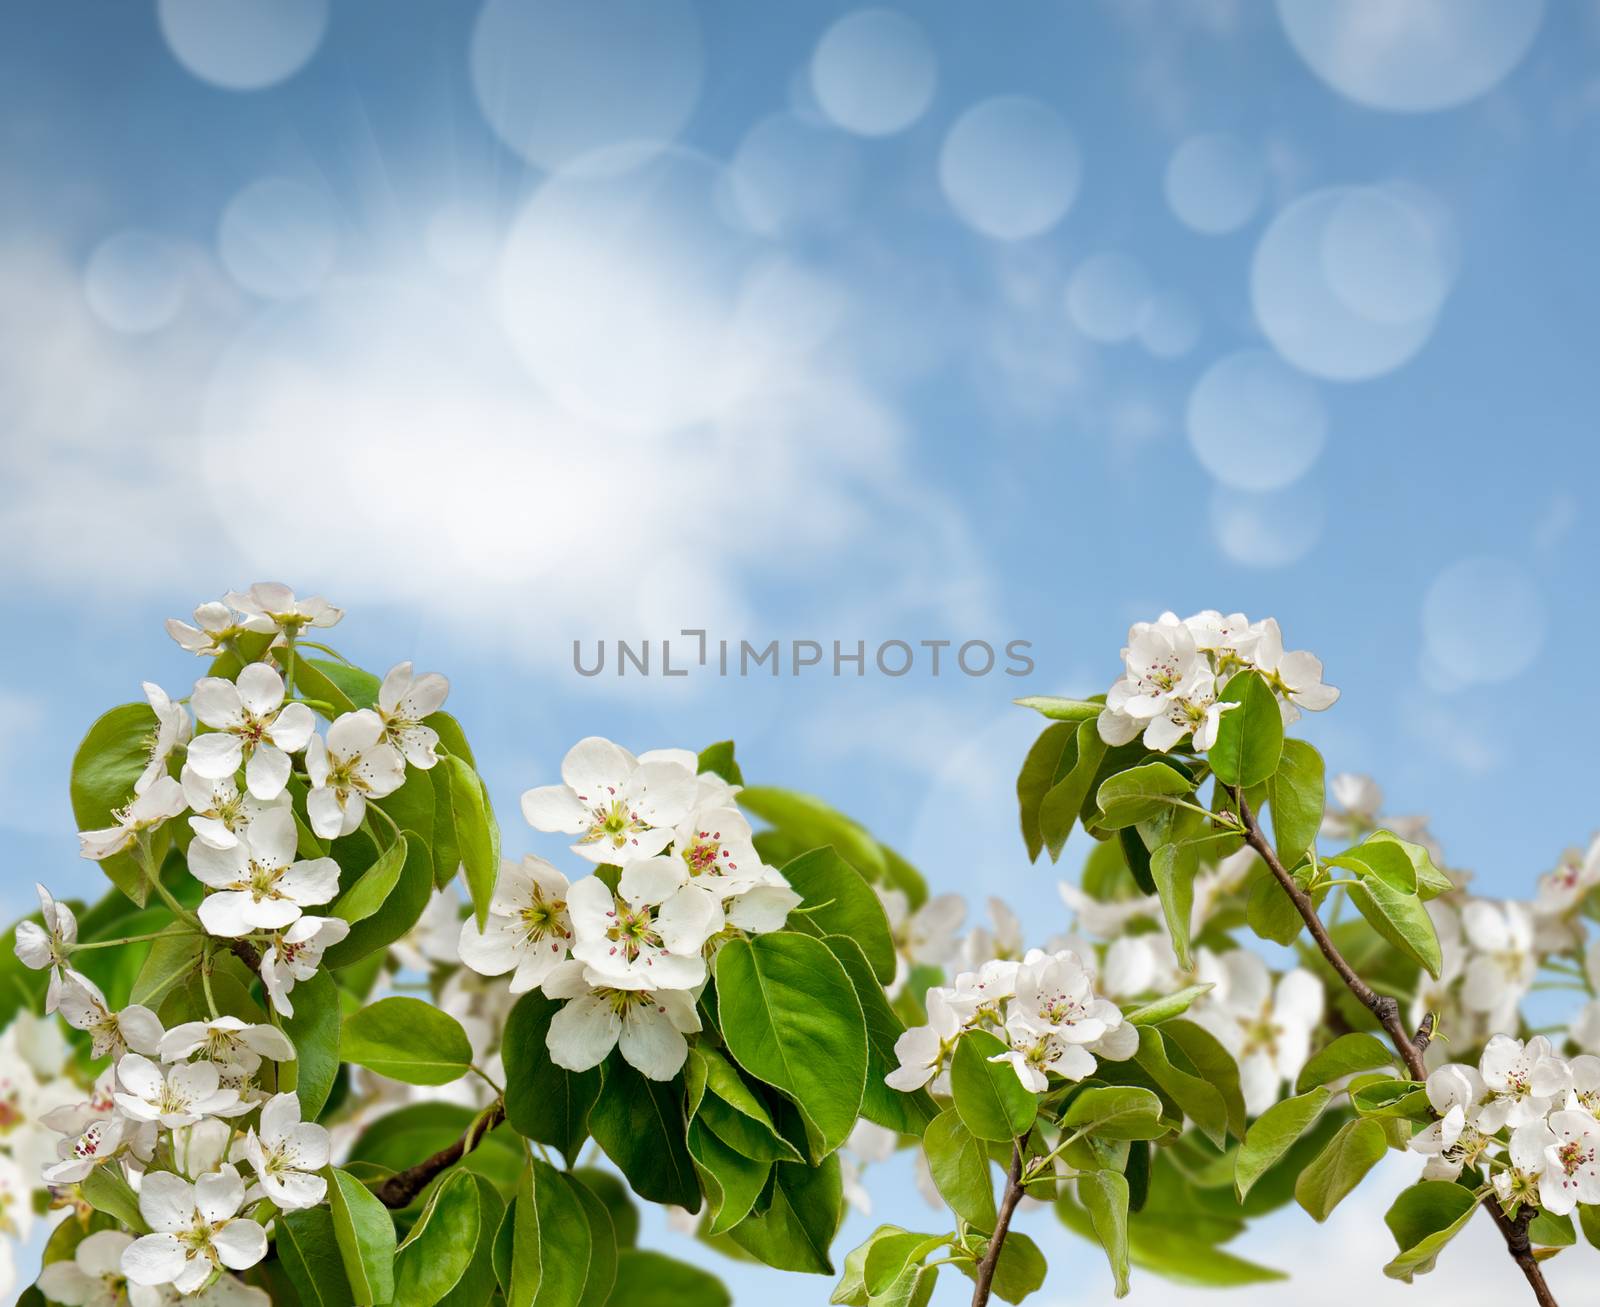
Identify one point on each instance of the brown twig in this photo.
(1387, 1011)
(1008, 1204)
(401, 1187)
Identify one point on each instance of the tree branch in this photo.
(401, 1187)
(1008, 1204)
(1387, 1011)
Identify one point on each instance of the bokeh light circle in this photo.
(135, 281)
(1010, 167)
(278, 238)
(620, 291)
(1411, 56)
(1171, 326)
(1271, 529)
(790, 177)
(1255, 423)
(1319, 287)
(560, 79)
(874, 72)
(1108, 296)
(243, 45)
(1483, 621)
(1214, 183)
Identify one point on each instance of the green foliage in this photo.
(1104, 1195)
(959, 1163)
(448, 1256)
(365, 1236)
(407, 1039)
(1140, 793)
(110, 759)
(837, 901)
(1115, 1112)
(477, 834)
(314, 1031)
(1423, 1219)
(790, 1016)
(640, 1125)
(901, 1112)
(1062, 710)
(401, 907)
(544, 1102)
(552, 1248)
(1250, 737)
(650, 1279)
(1347, 1054)
(1272, 1134)
(796, 1230)
(1297, 798)
(1165, 1008)
(1341, 1166)
(992, 1103)
(374, 886)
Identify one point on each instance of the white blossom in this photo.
(1524, 1081)
(220, 813)
(258, 884)
(157, 805)
(196, 1229)
(647, 1025)
(1266, 1026)
(84, 1007)
(287, 1153)
(48, 945)
(227, 1041)
(93, 1276)
(173, 728)
(271, 605)
(250, 724)
(405, 701)
(1503, 965)
(354, 763)
(174, 1096)
(98, 1141)
(621, 807)
(215, 627)
(648, 935)
(294, 954)
(1453, 1141)
(528, 930)
(921, 1050)
(1297, 676)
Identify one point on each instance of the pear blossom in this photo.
(84, 1007)
(620, 807)
(982, 992)
(196, 1229)
(1106, 918)
(173, 729)
(764, 905)
(921, 1050)
(1571, 1172)
(1297, 676)
(1453, 1141)
(1035, 1051)
(1561, 893)
(227, 1041)
(287, 1153)
(405, 701)
(16, 1200)
(646, 936)
(93, 1276)
(1159, 657)
(157, 805)
(1055, 992)
(98, 1141)
(215, 628)
(174, 1096)
(1521, 1179)
(219, 811)
(250, 723)
(271, 605)
(1266, 1026)
(48, 945)
(1005, 941)
(647, 1025)
(1503, 965)
(1231, 636)
(294, 954)
(355, 763)
(257, 884)
(1524, 1081)
(528, 930)
(1584, 1091)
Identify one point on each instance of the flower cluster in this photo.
(628, 951)
(1525, 1115)
(1175, 671)
(1042, 1007)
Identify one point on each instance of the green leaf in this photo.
(442, 1245)
(1296, 796)
(912, 1288)
(990, 1100)
(477, 832)
(1384, 1096)
(407, 1039)
(733, 1112)
(1271, 913)
(1020, 1270)
(1400, 918)
(1589, 1220)
(173, 959)
(1384, 860)
(1249, 737)
(839, 902)
(1037, 776)
(794, 1233)
(851, 1291)
(889, 1258)
(1270, 1137)
(1341, 1166)
(1104, 1195)
(1139, 794)
(903, 1113)
(791, 1018)
(732, 1181)
(544, 1102)
(314, 1032)
(368, 894)
(959, 1164)
(110, 759)
(650, 1279)
(813, 824)
(718, 759)
(1115, 1112)
(106, 1191)
(364, 1231)
(1345, 1056)
(613, 1195)
(1201, 1102)
(551, 1241)
(344, 687)
(1547, 1230)
(1076, 771)
(1172, 1005)
(402, 906)
(1214, 1065)
(309, 1251)
(1173, 867)
(1423, 1219)
(1062, 710)
(602, 1274)
(639, 1124)
(1431, 882)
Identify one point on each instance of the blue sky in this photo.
(504, 326)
